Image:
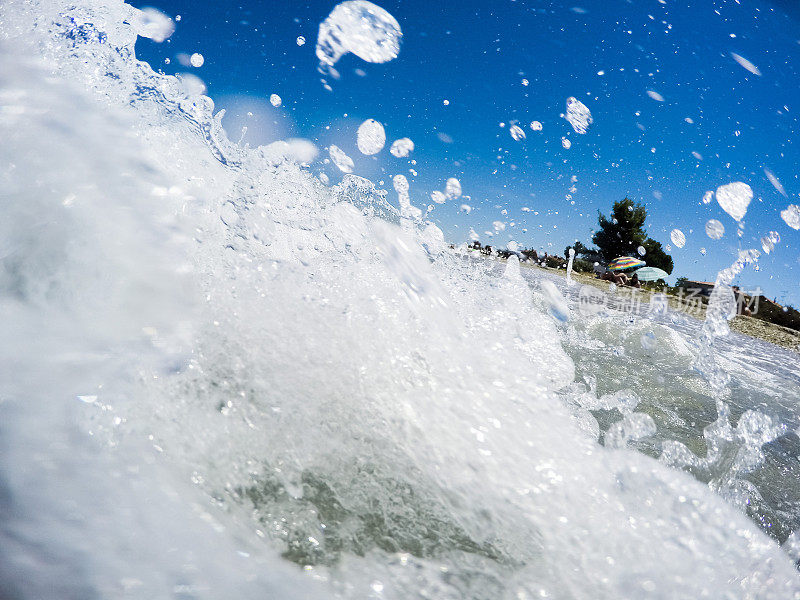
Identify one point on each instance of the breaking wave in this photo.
(222, 378)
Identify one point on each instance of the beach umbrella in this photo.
(625, 262)
(651, 274)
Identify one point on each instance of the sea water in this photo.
(220, 377)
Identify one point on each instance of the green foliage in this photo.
(774, 313)
(554, 262)
(656, 257)
(623, 232)
(581, 265)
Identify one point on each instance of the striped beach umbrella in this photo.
(623, 263)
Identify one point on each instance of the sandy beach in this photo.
(750, 326)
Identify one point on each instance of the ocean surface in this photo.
(222, 378)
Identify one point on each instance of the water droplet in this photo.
(714, 229)
(197, 59)
(301, 40)
(536, 125)
(359, 27)
(775, 183)
(340, 159)
(275, 100)
(402, 147)
(371, 137)
(517, 132)
(655, 95)
(566, 143)
(453, 188)
(400, 184)
(641, 250)
(677, 237)
(438, 197)
(768, 241)
(791, 216)
(745, 63)
(708, 197)
(578, 115)
(734, 198)
(525, 82)
(154, 24)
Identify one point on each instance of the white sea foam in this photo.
(279, 368)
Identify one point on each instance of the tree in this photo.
(655, 256)
(590, 254)
(623, 233)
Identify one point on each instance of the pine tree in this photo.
(623, 233)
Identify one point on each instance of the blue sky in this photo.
(607, 54)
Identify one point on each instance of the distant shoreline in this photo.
(749, 326)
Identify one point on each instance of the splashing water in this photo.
(791, 216)
(678, 238)
(361, 28)
(570, 260)
(343, 162)
(775, 182)
(217, 370)
(402, 148)
(452, 188)
(153, 24)
(371, 137)
(734, 198)
(438, 197)
(768, 241)
(517, 132)
(578, 115)
(721, 308)
(714, 229)
(746, 64)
